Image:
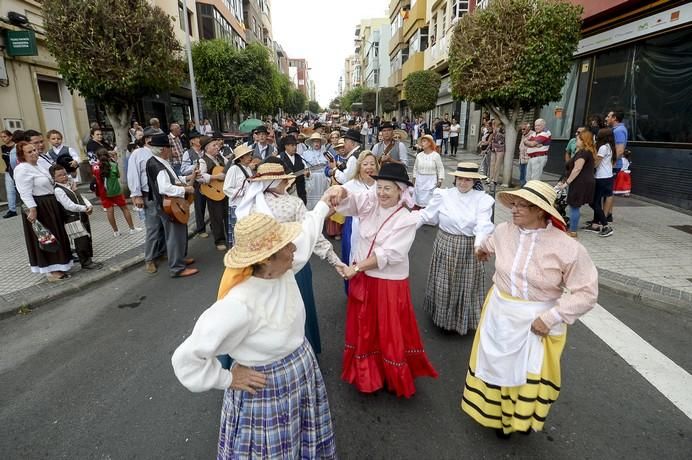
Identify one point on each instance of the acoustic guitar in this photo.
(214, 189)
(178, 209)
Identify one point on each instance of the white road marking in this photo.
(671, 380)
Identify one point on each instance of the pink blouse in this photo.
(393, 242)
(544, 265)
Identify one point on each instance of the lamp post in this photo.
(191, 71)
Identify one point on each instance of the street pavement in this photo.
(89, 376)
(647, 258)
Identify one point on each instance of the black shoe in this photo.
(610, 218)
(501, 434)
(9, 214)
(606, 231)
(93, 266)
(591, 228)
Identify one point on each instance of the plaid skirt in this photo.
(289, 418)
(456, 284)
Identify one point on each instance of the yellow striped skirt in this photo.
(514, 408)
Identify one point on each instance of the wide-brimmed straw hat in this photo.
(427, 137)
(257, 237)
(467, 170)
(271, 171)
(339, 144)
(535, 192)
(314, 137)
(241, 151)
(403, 135)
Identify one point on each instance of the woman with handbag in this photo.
(35, 187)
(383, 345)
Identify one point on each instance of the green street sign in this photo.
(21, 43)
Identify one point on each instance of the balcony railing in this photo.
(412, 64)
(439, 52)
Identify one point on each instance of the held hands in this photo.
(348, 272)
(482, 255)
(138, 201)
(246, 379)
(562, 185)
(89, 210)
(539, 328)
(334, 195)
(189, 189)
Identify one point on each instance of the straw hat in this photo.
(314, 137)
(241, 151)
(271, 171)
(535, 192)
(257, 237)
(429, 138)
(468, 170)
(403, 135)
(339, 144)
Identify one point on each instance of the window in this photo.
(49, 91)
(443, 14)
(376, 77)
(404, 54)
(181, 16)
(649, 80)
(433, 29)
(482, 4)
(459, 8)
(423, 38)
(559, 122)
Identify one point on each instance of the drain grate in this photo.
(684, 228)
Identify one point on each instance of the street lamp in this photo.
(188, 50)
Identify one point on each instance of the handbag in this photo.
(75, 229)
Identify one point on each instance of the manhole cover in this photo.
(684, 228)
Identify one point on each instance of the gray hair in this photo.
(156, 150)
(540, 121)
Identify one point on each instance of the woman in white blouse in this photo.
(456, 279)
(275, 402)
(35, 186)
(428, 171)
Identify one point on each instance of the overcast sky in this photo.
(322, 31)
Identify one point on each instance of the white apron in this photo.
(507, 349)
(425, 186)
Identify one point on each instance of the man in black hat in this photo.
(138, 183)
(190, 162)
(352, 150)
(218, 209)
(390, 149)
(295, 162)
(261, 148)
(164, 182)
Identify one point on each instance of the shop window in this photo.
(559, 115)
(649, 81)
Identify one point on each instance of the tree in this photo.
(314, 107)
(369, 100)
(514, 54)
(296, 102)
(335, 104)
(217, 87)
(422, 88)
(353, 96)
(115, 52)
(283, 86)
(389, 99)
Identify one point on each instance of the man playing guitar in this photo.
(212, 175)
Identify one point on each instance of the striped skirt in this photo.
(232, 219)
(289, 418)
(456, 284)
(515, 408)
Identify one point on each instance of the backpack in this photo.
(112, 182)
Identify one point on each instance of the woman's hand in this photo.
(482, 255)
(340, 269)
(349, 272)
(31, 217)
(246, 379)
(334, 195)
(539, 328)
(562, 185)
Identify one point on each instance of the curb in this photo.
(40, 294)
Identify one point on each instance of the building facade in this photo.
(351, 77)
(258, 24)
(371, 46)
(299, 73)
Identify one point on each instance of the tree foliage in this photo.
(389, 99)
(515, 53)
(335, 103)
(422, 88)
(354, 95)
(111, 50)
(314, 107)
(297, 102)
(369, 100)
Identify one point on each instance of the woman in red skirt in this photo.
(383, 345)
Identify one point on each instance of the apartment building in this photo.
(299, 73)
(351, 77)
(372, 46)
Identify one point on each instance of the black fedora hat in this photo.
(293, 129)
(160, 140)
(289, 140)
(194, 134)
(261, 129)
(395, 172)
(354, 135)
(205, 140)
(386, 125)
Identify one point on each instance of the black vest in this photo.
(154, 167)
(75, 197)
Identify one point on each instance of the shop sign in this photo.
(21, 43)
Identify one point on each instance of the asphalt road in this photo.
(90, 377)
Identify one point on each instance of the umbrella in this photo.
(250, 124)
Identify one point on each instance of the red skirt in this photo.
(623, 183)
(382, 339)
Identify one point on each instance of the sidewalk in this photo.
(19, 287)
(649, 255)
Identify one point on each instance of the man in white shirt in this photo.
(191, 159)
(262, 149)
(164, 183)
(390, 149)
(218, 208)
(352, 147)
(138, 183)
(364, 132)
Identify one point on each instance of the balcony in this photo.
(413, 64)
(416, 19)
(437, 54)
(395, 78)
(396, 40)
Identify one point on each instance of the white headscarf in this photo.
(255, 196)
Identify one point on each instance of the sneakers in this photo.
(610, 218)
(606, 231)
(9, 214)
(572, 234)
(203, 235)
(116, 233)
(221, 247)
(591, 228)
(135, 230)
(150, 267)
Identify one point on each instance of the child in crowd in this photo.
(109, 191)
(623, 179)
(76, 211)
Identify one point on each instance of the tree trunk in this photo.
(509, 119)
(120, 121)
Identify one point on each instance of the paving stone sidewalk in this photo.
(649, 254)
